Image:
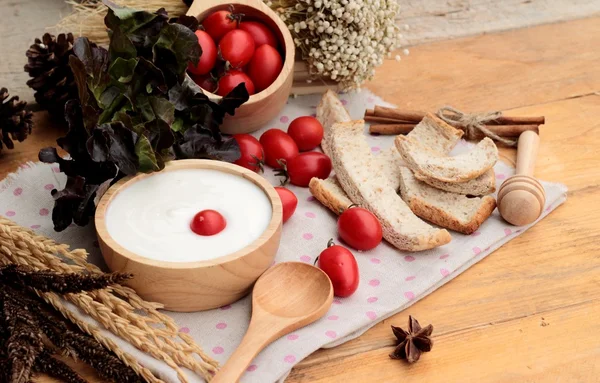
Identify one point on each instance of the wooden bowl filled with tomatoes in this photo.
(244, 41)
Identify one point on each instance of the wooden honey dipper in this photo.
(521, 198)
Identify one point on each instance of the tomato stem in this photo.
(283, 172)
(330, 243)
(316, 260)
(260, 164)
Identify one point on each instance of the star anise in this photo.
(413, 342)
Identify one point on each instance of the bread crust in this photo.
(483, 185)
(325, 192)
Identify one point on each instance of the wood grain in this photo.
(488, 321)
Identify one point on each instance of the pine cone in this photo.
(15, 121)
(48, 64)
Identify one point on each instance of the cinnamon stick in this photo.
(398, 116)
(508, 131)
(386, 120)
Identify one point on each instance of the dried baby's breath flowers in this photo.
(344, 40)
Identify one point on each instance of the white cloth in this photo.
(390, 280)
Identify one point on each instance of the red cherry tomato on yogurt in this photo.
(208, 57)
(259, 32)
(341, 268)
(232, 79)
(264, 67)
(359, 228)
(237, 47)
(208, 222)
(288, 200)
(252, 152)
(307, 132)
(305, 166)
(217, 24)
(278, 145)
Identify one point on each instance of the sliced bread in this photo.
(330, 193)
(366, 185)
(435, 134)
(441, 167)
(483, 185)
(330, 111)
(450, 210)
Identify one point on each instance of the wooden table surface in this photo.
(529, 312)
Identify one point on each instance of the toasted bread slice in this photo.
(483, 185)
(330, 193)
(368, 186)
(450, 210)
(435, 134)
(441, 167)
(330, 111)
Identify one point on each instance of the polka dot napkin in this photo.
(391, 280)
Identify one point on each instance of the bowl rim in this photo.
(272, 228)
(288, 43)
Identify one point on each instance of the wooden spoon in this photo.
(521, 198)
(288, 296)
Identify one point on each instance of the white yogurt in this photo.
(151, 217)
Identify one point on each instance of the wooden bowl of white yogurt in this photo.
(143, 227)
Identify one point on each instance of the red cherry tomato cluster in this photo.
(235, 52)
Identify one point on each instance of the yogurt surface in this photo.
(151, 217)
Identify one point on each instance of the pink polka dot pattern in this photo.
(410, 278)
(374, 282)
(475, 234)
(444, 272)
(409, 295)
(370, 99)
(305, 258)
(344, 102)
(284, 119)
(10, 213)
(375, 149)
(476, 250)
(444, 256)
(375, 261)
(218, 350)
(333, 317)
(371, 315)
(331, 334)
(56, 169)
(35, 226)
(337, 301)
(292, 337)
(252, 367)
(221, 326)
(48, 186)
(409, 258)
(307, 236)
(289, 359)
(311, 199)
(44, 212)
(184, 330)
(18, 192)
(226, 307)
(310, 214)
(500, 176)
(313, 115)
(507, 231)
(372, 299)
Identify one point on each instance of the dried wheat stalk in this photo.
(87, 17)
(114, 308)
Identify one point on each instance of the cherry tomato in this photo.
(217, 24)
(237, 47)
(288, 200)
(232, 79)
(209, 54)
(205, 82)
(340, 266)
(259, 32)
(278, 146)
(307, 132)
(208, 222)
(359, 228)
(252, 152)
(264, 67)
(300, 169)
